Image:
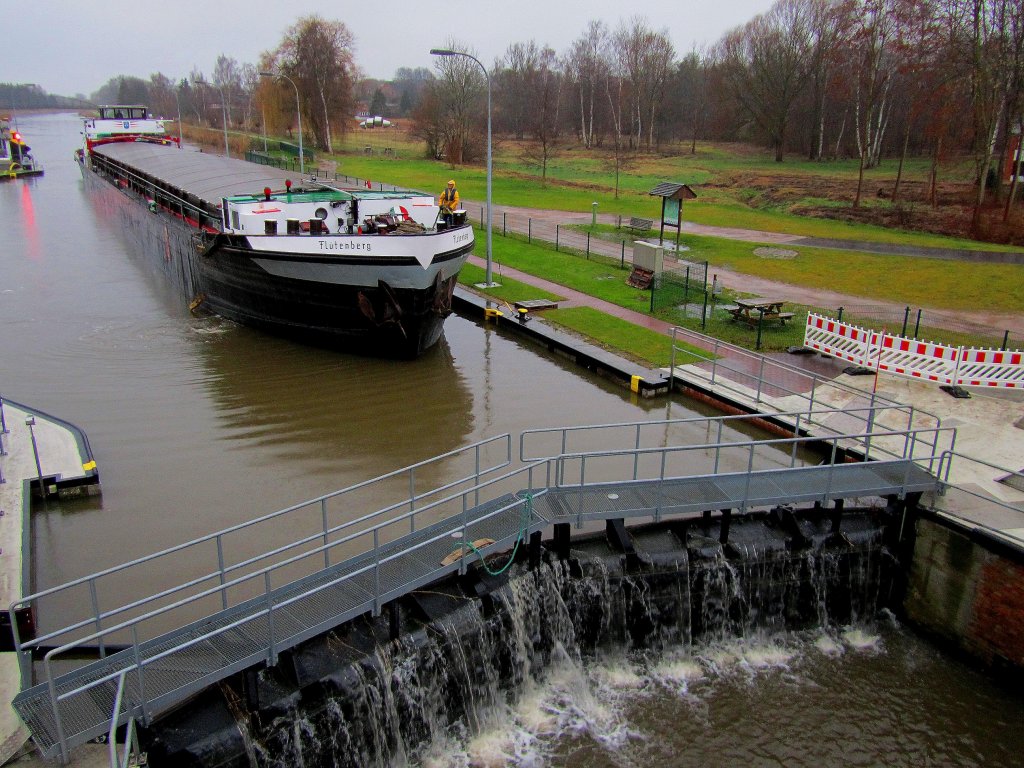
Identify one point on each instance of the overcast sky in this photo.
(70, 46)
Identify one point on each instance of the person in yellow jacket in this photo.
(449, 202)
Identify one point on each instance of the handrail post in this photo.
(323, 518)
(718, 446)
(96, 613)
(870, 429)
(51, 687)
(140, 672)
(220, 569)
(579, 493)
(111, 740)
(412, 500)
(672, 361)
(796, 441)
(760, 381)
(750, 472)
(271, 645)
(636, 454)
(831, 469)
(661, 486)
(376, 571)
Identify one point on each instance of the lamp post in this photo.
(448, 52)
(177, 103)
(298, 111)
(224, 112)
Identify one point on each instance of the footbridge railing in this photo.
(240, 596)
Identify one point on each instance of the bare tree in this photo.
(873, 63)
(514, 83)
(829, 26)
(227, 78)
(317, 55)
(588, 69)
(544, 117)
(460, 91)
(766, 65)
(644, 60)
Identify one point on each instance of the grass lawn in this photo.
(576, 178)
(642, 345)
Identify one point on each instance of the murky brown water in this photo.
(197, 424)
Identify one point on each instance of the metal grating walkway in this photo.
(170, 668)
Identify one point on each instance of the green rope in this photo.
(524, 522)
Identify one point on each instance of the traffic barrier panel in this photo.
(837, 339)
(991, 368)
(916, 359)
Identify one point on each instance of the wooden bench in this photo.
(637, 225)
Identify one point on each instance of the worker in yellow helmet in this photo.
(449, 202)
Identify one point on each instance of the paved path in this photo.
(978, 321)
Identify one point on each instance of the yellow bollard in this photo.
(634, 383)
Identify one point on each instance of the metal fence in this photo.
(684, 286)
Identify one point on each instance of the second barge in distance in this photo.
(362, 271)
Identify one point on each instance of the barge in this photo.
(354, 269)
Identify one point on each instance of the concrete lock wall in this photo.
(649, 257)
(969, 590)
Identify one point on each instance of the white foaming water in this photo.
(828, 645)
(860, 640)
(678, 673)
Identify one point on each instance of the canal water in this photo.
(197, 423)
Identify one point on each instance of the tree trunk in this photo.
(860, 182)
(899, 169)
(933, 193)
(327, 125)
(1015, 170)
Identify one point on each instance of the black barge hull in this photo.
(354, 302)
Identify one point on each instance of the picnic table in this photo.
(752, 311)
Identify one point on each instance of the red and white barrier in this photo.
(991, 368)
(835, 338)
(917, 359)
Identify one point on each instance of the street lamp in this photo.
(298, 110)
(177, 103)
(448, 52)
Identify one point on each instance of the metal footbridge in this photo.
(240, 596)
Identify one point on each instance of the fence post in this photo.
(760, 322)
(556, 237)
(906, 316)
(529, 230)
(917, 325)
(655, 281)
(503, 215)
(704, 312)
(481, 217)
(588, 245)
(840, 317)
(1006, 339)
(622, 256)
